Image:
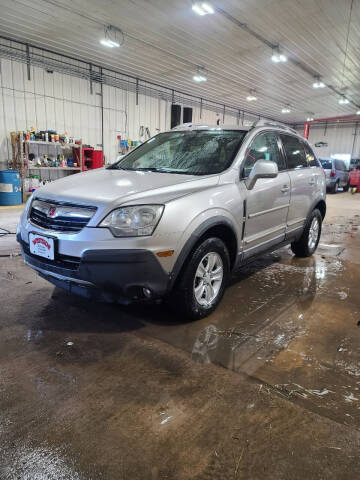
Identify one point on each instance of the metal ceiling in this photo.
(165, 41)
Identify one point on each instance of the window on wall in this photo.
(294, 150)
(264, 147)
(346, 157)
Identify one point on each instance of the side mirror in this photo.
(261, 169)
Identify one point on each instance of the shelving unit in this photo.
(86, 158)
(22, 148)
(55, 168)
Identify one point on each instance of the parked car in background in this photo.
(337, 174)
(177, 215)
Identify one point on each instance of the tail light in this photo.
(332, 173)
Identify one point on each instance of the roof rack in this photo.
(264, 123)
(182, 126)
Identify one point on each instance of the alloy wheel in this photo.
(208, 279)
(313, 233)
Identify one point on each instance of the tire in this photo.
(335, 188)
(307, 243)
(183, 297)
(346, 187)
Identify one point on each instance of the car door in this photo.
(268, 202)
(303, 181)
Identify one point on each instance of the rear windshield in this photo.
(192, 152)
(326, 164)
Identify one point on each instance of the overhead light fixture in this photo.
(109, 43)
(277, 56)
(318, 83)
(358, 112)
(201, 75)
(286, 109)
(343, 101)
(252, 96)
(199, 78)
(202, 8)
(110, 39)
(309, 119)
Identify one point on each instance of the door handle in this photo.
(285, 188)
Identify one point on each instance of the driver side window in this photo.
(264, 147)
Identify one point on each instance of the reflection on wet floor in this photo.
(290, 324)
(287, 327)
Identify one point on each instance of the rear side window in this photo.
(311, 160)
(294, 150)
(339, 165)
(264, 147)
(326, 164)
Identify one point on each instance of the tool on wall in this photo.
(144, 133)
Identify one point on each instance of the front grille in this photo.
(60, 217)
(62, 261)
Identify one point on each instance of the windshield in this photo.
(326, 164)
(192, 152)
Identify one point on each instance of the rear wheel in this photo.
(203, 280)
(334, 188)
(309, 240)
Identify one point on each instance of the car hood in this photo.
(110, 188)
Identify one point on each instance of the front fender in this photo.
(196, 230)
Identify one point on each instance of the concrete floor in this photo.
(268, 387)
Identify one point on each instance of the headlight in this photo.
(134, 221)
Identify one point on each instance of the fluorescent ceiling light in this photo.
(200, 75)
(207, 7)
(110, 39)
(202, 8)
(278, 57)
(309, 119)
(285, 110)
(358, 112)
(343, 101)
(199, 78)
(109, 43)
(252, 96)
(318, 84)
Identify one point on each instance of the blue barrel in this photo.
(10, 187)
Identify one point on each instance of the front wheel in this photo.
(203, 280)
(309, 240)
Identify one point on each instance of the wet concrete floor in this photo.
(268, 387)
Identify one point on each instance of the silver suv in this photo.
(177, 215)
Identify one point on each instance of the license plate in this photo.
(42, 246)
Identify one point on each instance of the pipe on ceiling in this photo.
(345, 118)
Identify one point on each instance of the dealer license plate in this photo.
(42, 246)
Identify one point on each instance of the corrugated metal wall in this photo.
(340, 139)
(46, 101)
(65, 103)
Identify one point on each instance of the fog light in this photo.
(147, 292)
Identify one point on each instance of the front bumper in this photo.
(107, 275)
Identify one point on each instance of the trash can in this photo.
(10, 188)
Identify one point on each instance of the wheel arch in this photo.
(220, 227)
(320, 204)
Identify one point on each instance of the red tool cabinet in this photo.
(92, 158)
